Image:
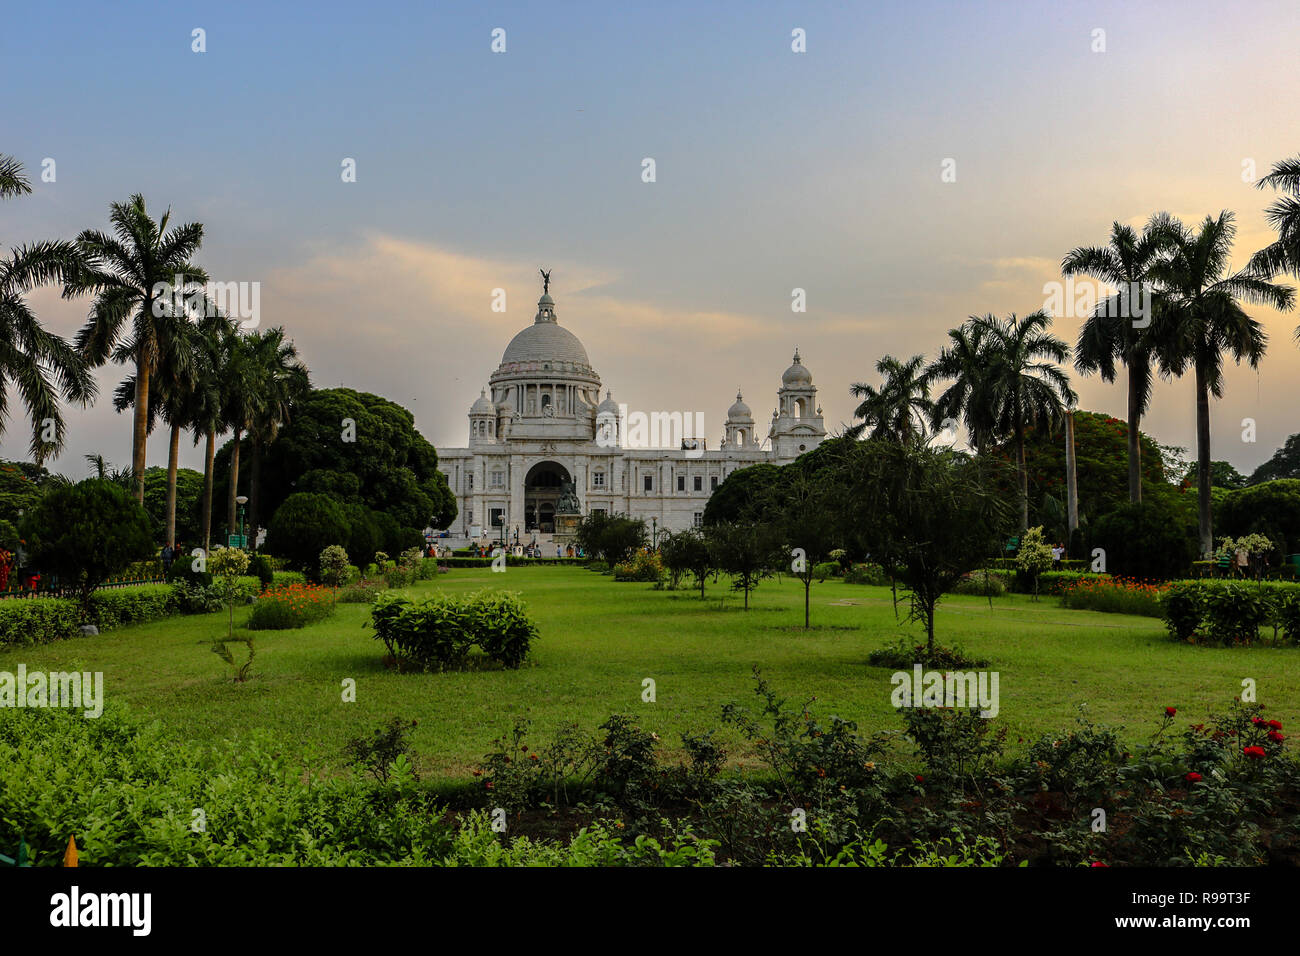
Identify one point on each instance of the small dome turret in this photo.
(796, 374)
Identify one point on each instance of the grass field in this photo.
(599, 640)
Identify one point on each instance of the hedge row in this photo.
(28, 621)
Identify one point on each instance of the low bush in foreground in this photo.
(28, 621)
(439, 632)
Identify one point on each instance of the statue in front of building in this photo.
(568, 503)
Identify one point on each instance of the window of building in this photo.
(469, 482)
(649, 483)
(498, 479)
(598, 511)
(699, 519)
(496, 517)
(699, 482)
(598, 479)
(713, 483)
(681, 482)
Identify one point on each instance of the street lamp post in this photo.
(654, 532)
(243, 537)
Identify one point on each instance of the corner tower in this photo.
(797, 422)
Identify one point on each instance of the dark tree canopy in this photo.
(358, 449)
(1285, 463)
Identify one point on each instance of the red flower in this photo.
(1275, 724)
(1193, 777)
(1254, 753)
(1274, 736)
(487, 784)
(1099, 863)
(1257, 720)
(1170, 711)
(920, 779)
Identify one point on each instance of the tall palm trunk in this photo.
(1022, 474)
(1204, 513)
(140, 427)
(209, 456)
(1134, 440)
(254, 487)
(234, 486)
(173, 461)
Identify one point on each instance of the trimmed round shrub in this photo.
(304, 526)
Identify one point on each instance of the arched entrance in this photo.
(542, 486)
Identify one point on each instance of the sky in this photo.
(775, 170)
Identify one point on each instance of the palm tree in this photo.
(1025, 385)
(170, 399)
(130, 320)
(1110, 334)
(29, 355)
(205, 409)
(1284, 216)
(1207, 320)
(899, 410)
(284, 382)
(242, 395)
(964, 361)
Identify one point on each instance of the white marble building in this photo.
(541, 423)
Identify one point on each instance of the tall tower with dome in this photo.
(544, 445)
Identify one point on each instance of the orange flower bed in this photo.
(1116, 595)
(290, 606)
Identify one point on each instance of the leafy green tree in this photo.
(185, 505)
(361, 449)
(1285, 463)
(1222, 475)
(40, 366)
(85, 533)
(1149, 540)
(740, 493)
(304, 526)
(1203, 300)
(900, 408)
(748, 551)
(612, 538)
(21, 485)
(1034, 556)
(1101, 465)
(807, 521)
(687, 552)
(929, 515)
(130, 320)
(1272, 507)
(1112, 333)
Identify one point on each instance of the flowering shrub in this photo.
(644, 566)
(1034, 556)
(294, 605)
(333, 565)
(360, 592)
(1115, 595)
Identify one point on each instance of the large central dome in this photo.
(545, 343)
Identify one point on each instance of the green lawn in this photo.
(599, 640)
